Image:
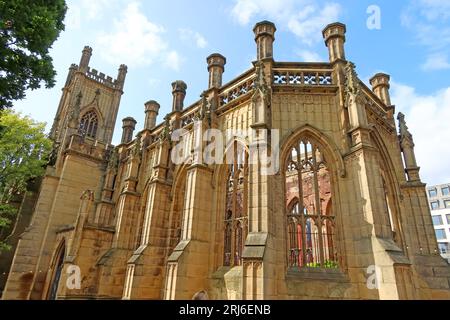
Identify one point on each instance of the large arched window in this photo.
(310, 215)
(235, 216)
(89, 124)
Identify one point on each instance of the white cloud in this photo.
(302, 17)
(173, 60)
(308, 24)
(428, 21)
(427, 118)
(309, 56)
(94, 9)
(135, 40)
(73, 18)
(437, 61)
(191, 36)
(153, 82)
(435, 9)
(88, 10)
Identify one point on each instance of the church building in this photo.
(341, 213)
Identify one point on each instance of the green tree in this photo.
(28, 29)
(23, 151)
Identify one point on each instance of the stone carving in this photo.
(352, 81)
(137, 149)
(260, 80)
(53, 156)
(352, 86)
(74, 117)
(166, 132)
(113, 162)
(404, 130)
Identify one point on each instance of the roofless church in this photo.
(344, 216)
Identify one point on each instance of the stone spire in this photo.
(85, 59)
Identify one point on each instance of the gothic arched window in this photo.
(310, 216)
(235, 222)
(89, 124)
(58, 267)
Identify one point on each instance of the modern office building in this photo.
(439, 197)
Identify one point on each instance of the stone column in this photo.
(179, 93)
(129, 124)
(380, 86)
(216, 67)
(334, 35)
(85, 58)
(123, 70)
(264, 37)
(151, 112)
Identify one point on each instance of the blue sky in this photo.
(166, 41)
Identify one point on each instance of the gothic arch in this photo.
(313, 231)
(392, 184)
(330, 148)
(179, 174)
(56, 268)
(91, 123)
(176, 216)
(224, 219)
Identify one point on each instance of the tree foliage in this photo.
(24, 148)
(28, 29)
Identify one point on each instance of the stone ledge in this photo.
(297, 274)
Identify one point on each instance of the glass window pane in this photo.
(440, 234)
(448, 218)
(444, 248)
(447, 203)
(432, 193)
(435, 205)
(437, 220)
(446, 191)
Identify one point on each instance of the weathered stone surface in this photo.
(139, 226)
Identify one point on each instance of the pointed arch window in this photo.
(236, 216)
(58, 267)
(89, 124)
(310, 216)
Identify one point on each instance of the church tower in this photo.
(82, 133)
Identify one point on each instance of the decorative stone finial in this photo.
(129, 124)
(216, 67)
(334, 36)
(352, 85)
(380, 86)
(121, 76)
(85, 59)
(407, 147)
(179, 93)
(151, 113)
(264, 37)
